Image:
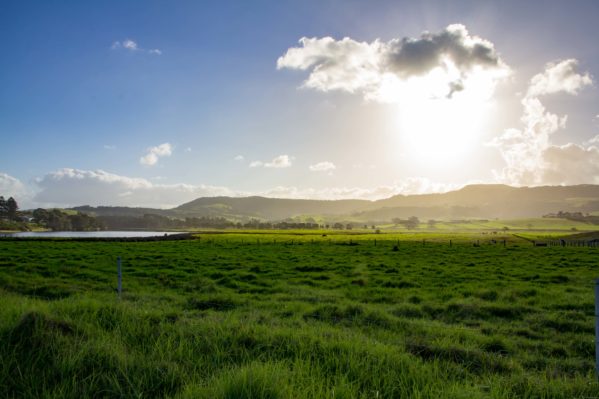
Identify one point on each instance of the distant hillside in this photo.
(121, 211)
(486, 201)
(497, 201)
(270, 208)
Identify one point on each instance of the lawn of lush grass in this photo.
(298, 316)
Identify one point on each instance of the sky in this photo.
(155, 103)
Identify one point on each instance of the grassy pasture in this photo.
(539, 225)
(290, 315)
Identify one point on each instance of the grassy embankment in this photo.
(248, 315)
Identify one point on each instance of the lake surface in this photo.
(86, 234)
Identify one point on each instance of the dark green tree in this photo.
(12, 208)
(3, 208)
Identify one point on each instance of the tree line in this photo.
(574, 216)
(11, 218)
(153, 221)
(57, 220)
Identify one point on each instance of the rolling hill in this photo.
(486, 201)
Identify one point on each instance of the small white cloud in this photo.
(282, 161)
(154, 153)
(239, 158)
(131, 45)
(109, 147)
(325, 166)
(188, 149)
(593, 142)
(559, 77)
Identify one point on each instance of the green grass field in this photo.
(250, 315)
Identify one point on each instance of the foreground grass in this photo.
(297, 316)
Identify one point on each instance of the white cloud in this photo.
(593, 141)
(433, 65)
(239, 158)
(11, 186)
(70, 187)
(325, 166)
(559, 77)
(154, 153)
(282, 161)
(571, 164)
(188, 149)
(530, 156)
(412, 185)
(131, 45)
(109, 147)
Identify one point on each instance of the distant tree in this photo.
(12, 208)
(40, 216)
(338, 226)
(411, 223)
(505, 228)
(432, 223)
(348, 226)
(3, 208)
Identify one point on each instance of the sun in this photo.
(443, 115)
(445, 129)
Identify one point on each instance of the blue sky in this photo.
(88, 90)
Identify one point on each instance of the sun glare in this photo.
(444, 128)
(440, 129)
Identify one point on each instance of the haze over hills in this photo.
(473, 201)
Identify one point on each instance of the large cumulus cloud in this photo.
(68, 187)
(437, 64)
(530, 156)
(11, 186)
